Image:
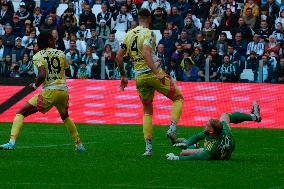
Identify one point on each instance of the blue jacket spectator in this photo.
(190, 71)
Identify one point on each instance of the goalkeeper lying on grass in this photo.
(219, 143)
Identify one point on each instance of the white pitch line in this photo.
(51, 145)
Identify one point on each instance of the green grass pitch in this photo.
(45, 158)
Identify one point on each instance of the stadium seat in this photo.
(96, 9)
(119, 35)
(158, 35)
(60, 9)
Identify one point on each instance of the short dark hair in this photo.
(144, 13)
(216, 125)
(43, 40)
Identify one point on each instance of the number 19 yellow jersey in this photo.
(134, 41)
(55, 63)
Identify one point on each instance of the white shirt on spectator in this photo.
(165, 5)
(114, 45)
(256, 47)
(80, 45)
(122, 21)
(149, 6)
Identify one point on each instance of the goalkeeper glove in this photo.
(172, 156)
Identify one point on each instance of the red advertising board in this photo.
(102, 102)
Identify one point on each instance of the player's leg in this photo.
(146, 94)
(188, 152)
(62, 101)
(171, 90)
(238, 117)
(28, 109)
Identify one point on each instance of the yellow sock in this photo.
(177, 109)
(147, 126)
(17, 125)
(72, 129)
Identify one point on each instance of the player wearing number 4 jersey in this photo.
(219, 143)
(51, 65)
(139, 43)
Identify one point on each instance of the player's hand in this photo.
(172, 156)
(123, 82)
(161, 77)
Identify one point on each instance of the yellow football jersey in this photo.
(55, 64)
(134, 41)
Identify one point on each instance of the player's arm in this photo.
(194, 139)
(204, 155)
(119, 59)
(40, 78)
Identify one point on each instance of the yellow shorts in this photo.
(147, 83)
(49, 98)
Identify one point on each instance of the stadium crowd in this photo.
(237, 39)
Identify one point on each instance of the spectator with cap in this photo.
(23, 13)
(5, 14)
(104, 14)
(18, 27)
(113, 42)
(8, 37)
(103, 30)
(18, 50)
(37, 17)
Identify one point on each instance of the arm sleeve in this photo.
(200, 156)
(195, 138)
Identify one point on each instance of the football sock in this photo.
(177, 109)
(147, 126)
(148, 143)
(173, 126)
(17, 125)
(238, 117)
(72, 129)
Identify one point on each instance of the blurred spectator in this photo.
(255, 46)
(18, 50)
(264, 31)
(198, 57)
(18, 27)
(113, 8)
(83, 72)
(105, 15)
(243, 29)
(175, 18)
(59, 43)
(159, 18)
(233, 5)
(205, 46)
(177, 56)
(215, 56)
(174, 70)
(3, 52)
(164, 4)
(37, 17)
(23, 13)
(167, 42)
(74, 56)
(272, 47)
(279, 33)
(96, 43)
(113, 42)
(163, 57)
(30, 5)
(226, 72)
(87, 15)
(26, 67)
(251, 5)
(109, 57)
(212, 69)
(5, 14)
(222, 44)
(208, 33)
(83, 32)
(123, 19)
(264, 16)
(201, 10)
(267, 70)
(228, 21)
(28, 40)
(216, 11)
(190, 71)
(280, 18)
(240, 46)
(70, 16)
(280, 71)
(14, 70)
(48, 25)
(132, 9)
(253, 63)
(91, 59)
(182, 7)
(273, 9)
(46, 6)
(33, 51)
(81, 44)
(173, 30)
(190, 28)
(57, 19)
(103, 30)
(151, 5)
(184, 40)
(10, 5)
(249, 18)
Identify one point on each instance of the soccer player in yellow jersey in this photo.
(52, 66)
(139, 43)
